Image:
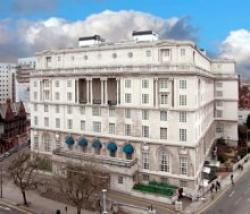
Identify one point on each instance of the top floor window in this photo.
(183, 52)
(148, 53)
(114, 55)
(183, 84)
(145, 83)
(127, 83)
(69, 83)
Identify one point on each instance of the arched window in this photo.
(164, 161)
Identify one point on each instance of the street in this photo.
(235, 200)
(7, 210)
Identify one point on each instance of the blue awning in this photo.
(97, 143)
(112, 147)
(69, 140)
(128, 149)
(83, 141)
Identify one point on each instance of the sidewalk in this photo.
(39, 205)
(200, 205)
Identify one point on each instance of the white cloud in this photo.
(237, 46)
(32, 36)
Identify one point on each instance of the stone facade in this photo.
(162, 103)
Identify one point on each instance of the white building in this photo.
(7, 82)
(24, 67)
(143, 109)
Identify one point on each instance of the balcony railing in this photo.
(112, 102)
(97, 101)
(83, 100)
(95, 158)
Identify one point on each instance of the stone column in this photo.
(118, 91)
(104, 91)
(87, 90)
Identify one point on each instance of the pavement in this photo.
(235, 200)
(230, 199)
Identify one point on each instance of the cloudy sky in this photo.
(222, 27)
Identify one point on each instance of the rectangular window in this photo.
(145, 160)
(35, 107)
(46, 143)
(183, 84)
(57, 109)
(127, 113)
(182, 117)
(219, 103)
(128, 98)
(96, 111)
(164, 99)
(35, 120)
(145, 131)
(46, 108)
(69, 83)
(127, 83)
(57, 83)
(57, 96)
(183, 165)
(182, 134)
(163, 83)
(46, 122)
(96, 126)
(120, 180)
(70, 124)
(219, 113)
(35, 83)
(148, 53)
(219, 129)
(57, 123)
(111, 128)
(145, 177)
(145, 83)
(36, 143)
(183, 52)
(111, 112)
(69, 96)
(46, 95)
(82, 109)
(219, 84)
(183, 100)
(46, 83)
(145, 115)
(145, 98)
(127, 129)
(69, 109)
(82, 125)
(164, 133)
(35, 95)
(163, 116)
(219, 93)
(166, 53)
(183, 183)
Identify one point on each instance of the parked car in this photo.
(6, 154)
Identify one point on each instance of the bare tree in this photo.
(21, 171)
(81, 184)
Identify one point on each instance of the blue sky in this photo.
(216, 25)
(214, 19)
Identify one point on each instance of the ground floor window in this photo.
(120, 179)
(183, 183)
(164, 180)
(145, 177)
